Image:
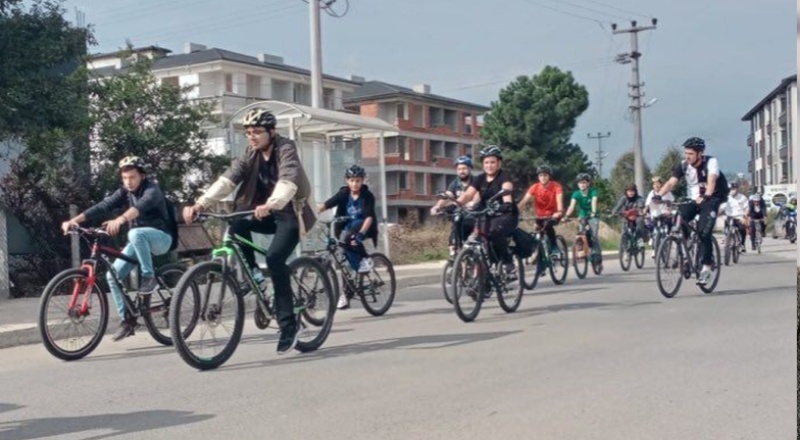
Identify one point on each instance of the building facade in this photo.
(773, 136)
(432, 131)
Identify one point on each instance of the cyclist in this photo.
(485, 186)
(547, 198)
(585, 200)
(632, 206)
(708, 188)
(459, 185)
(149, 234)
(274, 184)
(736, 208)
(654, 209)
(356, 201)
(791, 217)
(757, 210)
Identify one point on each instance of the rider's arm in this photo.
(102, 210)
(334, 200)
(226, 183)
(151, 197)
(594, 204)
(525, 200)
(618, 206)
(713, 175)
(369, 214)
(571, 207)
(668, 185)
(290, 171)
(559, 202)
(508, 198)
(471, 194)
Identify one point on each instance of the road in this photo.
(603, 358)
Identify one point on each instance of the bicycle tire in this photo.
(191, 280)
(318, 297)
(369, 299)
(533, 263)
(46, 330)
(638, 258)
(624, 252)
(468, 261)
(708, 288)
(663, 261)
(516, 291)
(728, 254)
(580, 259)
(563, 262)
(447, 280)
(155, 307)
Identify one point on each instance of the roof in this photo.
(214, 54)
(134, 50)
(372, 90)
(784, 84)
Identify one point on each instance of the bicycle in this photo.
(756, 229)
(368, 286)
(629, 247)
(583, 252)
(791, 226)
(660, 216)
(221, 303)
(543, 259)
(80, 317)
(678, 257)
(477, 271)
(733, 240)
(456, 217)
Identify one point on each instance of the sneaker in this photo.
(344, 302)
(149, 286)
(126, 328)
(288, 339)
(258, 277)
(705, 277)
(472, 239)
(555, 253)
(650, 242)
(653, 254)
(640, 243)
(511, 272)
(366, 265)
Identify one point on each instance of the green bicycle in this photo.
(222, 302)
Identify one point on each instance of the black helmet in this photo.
(544, 169)
(464, 160)
(584, 177)
(631, 187)
(133, 161)
(696, 144)
(492, 150)
(355, 171)
(258, 117)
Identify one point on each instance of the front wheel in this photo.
(669, 266)
(72, 333)
(447, 281)
(314, 302)
(559, 265)
(207, 341)
(511, 296)
(377, 288)
(638, 258)
(729, 244)
(624, 252)
(530, 278)
(580, 256)
(468, 284)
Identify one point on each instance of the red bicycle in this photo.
(73, 313)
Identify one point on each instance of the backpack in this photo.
(172, 223)
(524, 243)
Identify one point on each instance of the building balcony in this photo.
(769, 159)
(750, 140)
(783, 152)
(782, 119)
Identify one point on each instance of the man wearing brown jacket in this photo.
(272, 182)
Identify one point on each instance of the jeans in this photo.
(705, 226)
(286, 230)
(355, 251)
(591, 232)
(143, 243)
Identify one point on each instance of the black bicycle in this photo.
(631, 246)
(733, 241)
(456, 217)
(661, 214)
(544, 259)
(375, 289)
(477, 271)
(221, 303)
(678, 258)
(73, 313)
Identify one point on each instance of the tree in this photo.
(606, 198)
(623, 174)
(669, 160)
(533, 121)
(135, 115)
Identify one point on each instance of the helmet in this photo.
(793, 201)
(695, 143)
(544, 169)
(584, 177)
(258, 117)
(355, 171)
(464, 160)
(133, 161)
(631, 187)
(492, 150)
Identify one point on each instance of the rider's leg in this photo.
(148, 242)
(705, 230)
(123, 269)
(287, 235)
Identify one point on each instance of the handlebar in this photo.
(95, 232)
(224, 217)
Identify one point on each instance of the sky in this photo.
(707, 63)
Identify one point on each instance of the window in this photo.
(420, 184)
(228, 83)
(419, 150)
(418, 115)
(329, 98)
(254, 86)
(401, 111)
(402, 180)
(171, 81)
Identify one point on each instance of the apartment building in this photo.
(432, 131)
(773, 136)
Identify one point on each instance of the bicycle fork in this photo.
(89, 267)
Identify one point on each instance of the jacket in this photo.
(148, 199)
(293, 185)
(339, 200)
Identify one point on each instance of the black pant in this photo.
(753, 228)
(742, 229)
(498, 229)
(705, 226)
(283, 225)
(463, 229)
(549, 230)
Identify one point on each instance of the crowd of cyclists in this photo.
(270, 181)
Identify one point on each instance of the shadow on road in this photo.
(789, 287)
(5, 407)
(556, 308)
(119, 424)
(425, 342)
(390, 315)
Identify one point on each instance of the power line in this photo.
(571, 14)
(596, 11)
(618, 9)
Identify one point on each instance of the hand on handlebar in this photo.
(69, 225)
(189, 213)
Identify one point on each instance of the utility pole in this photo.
(636, 95)
(316, 54)
(600, 155)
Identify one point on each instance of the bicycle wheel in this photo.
(624, 252)
(737, 240)
(447, 281)
(511, 296)
(468, 284)
(155, 307)
(728, 254)
(332, 276)
(638, 257)
(221, 316)
(580, 261)
(559, 265)
(530, 278)
(716, 268)
(315, 302)
(669, 266)
(597, 259)
(72, 333)
(377, 288)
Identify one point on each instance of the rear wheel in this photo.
(314, 302)
(377, 288)
(447, 281)
(511, 296)
(468, 284)
(580, 256)
(638, 257)
(155, 307)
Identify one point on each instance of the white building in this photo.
(232, 80)
(773, 136)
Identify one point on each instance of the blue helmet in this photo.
(464, 160)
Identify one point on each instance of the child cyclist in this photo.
(584, 200)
